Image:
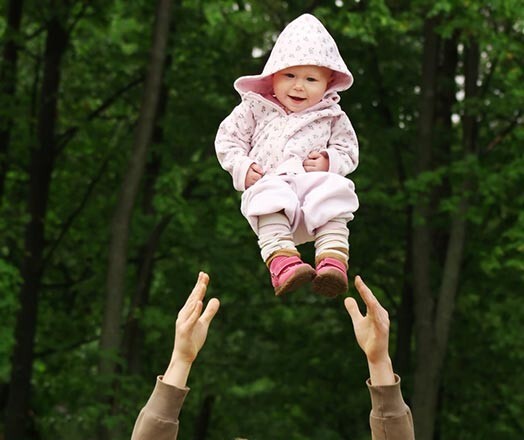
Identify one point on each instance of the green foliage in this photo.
(276, 368)
(9, 281)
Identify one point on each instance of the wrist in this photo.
(181, 361)
(177, 372)
(381, 371)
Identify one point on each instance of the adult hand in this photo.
(254, 174)
(191, 324)
(316, 162)
(372, 334)
(190, 333)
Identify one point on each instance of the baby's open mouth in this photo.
(297, 98)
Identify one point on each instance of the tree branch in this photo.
(76, 212)
(504, 133)
(78, 16)
(66, 137)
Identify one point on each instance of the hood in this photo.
(304, 41)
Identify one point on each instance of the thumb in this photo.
(210, 311)
(314, 155)
(352, 308)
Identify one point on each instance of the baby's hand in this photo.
(316, 162)
(254, 174)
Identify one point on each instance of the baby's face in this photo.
(300, 87)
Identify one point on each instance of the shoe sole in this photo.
(330, 283)
(301, 276)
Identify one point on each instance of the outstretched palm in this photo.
(191, 324)
(371, 330)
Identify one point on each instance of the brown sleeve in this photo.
(390, 417)
(158, 419)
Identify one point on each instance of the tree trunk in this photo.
(8, 78)
(133, 336)
(41, 167)
(119, 230)
(425, 378)
(405, 315)
(204, 418)
(434, 312)
(443, 135)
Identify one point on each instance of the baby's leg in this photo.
(275, 236)
(272, 209)
(288, 272)
(270, 195)
(328, 204)
(331, 240)
(331, 258)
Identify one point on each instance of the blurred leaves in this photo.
(277, 367)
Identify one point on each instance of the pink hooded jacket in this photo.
(259, 130)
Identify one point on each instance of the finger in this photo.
(185, 313)
(353, 310)
(365, 293)
(195, 314)
(200, 288)
(255, 167)
(197, 294)
(211, 310)
(314, 155)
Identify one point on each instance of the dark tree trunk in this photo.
(8, 78)
(133, 339)
(425, 379)
(443, 138)
(204, 418)
(405, 315)
(444, 100)
(133, 335)
(434, 306)
(41, 167)
(119, 232)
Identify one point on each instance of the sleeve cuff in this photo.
(386, 400)
(166, 400)
(240, 172)
(334, 160)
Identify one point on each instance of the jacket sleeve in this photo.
(233, 143)
(158, 419)
(342, 147)
(390, 417)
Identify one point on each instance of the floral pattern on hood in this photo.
(304, 41)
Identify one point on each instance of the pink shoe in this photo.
(331, 279)
(289, 273)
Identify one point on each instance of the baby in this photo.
(288, 146)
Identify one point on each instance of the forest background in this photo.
(112, 200)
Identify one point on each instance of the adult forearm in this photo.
(177, 373)
(381, 372)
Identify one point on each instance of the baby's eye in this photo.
(311, 79)
(289, 75)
